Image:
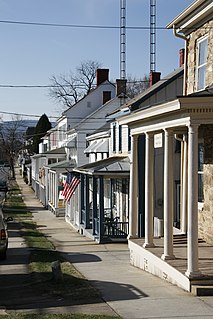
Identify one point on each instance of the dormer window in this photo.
(202, 47)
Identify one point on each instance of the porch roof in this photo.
(57, 151)
(116, 166)
(197, 109)
(63, 165)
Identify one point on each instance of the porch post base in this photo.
(167, 257)
(148, 245)
(132, 237)
(193, 274)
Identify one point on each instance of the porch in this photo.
(173, 270)
(111, 230)
(104, 199)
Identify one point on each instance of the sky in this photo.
(31, 54)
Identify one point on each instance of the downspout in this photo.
(185, 56)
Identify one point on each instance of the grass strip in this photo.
(42, 256)
(54, 316)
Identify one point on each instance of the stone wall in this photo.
(207, 29)
(205, 216)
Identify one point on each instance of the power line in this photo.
(80, 86)
(78, 25)
(27, 115)
(83, 26)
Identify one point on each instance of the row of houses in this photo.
(140, 168)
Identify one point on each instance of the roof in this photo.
(136, 101)
(195, 14)
(89, 94)
(62, 165)
(116, 166)
(105, 127)
(206, 92)
(57, 151)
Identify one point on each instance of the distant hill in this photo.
(23, 125)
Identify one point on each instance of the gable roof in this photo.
(92, 92)
(139, 99)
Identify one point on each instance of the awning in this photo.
(71, 142)
(116, 166)
(90, 148)
(101, 146)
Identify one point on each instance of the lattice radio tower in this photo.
(152, 35)
(123, 39)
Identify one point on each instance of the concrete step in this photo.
(202, 290)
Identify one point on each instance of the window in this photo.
(114, 137)
(106, 96)
(62, 132)
(129, 140)
(202, 47)
(120, 138)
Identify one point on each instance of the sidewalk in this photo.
(128, 291)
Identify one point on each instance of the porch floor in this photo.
(179, 264)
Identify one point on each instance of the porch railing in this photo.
(115, 229)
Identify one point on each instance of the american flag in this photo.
(70, 186)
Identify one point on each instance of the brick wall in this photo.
(207, 29)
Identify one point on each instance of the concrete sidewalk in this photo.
(128, 291)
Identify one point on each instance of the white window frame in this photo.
(203, 65)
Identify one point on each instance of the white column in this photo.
(149, 190)
(50, 190)
(56, 188)
(192, 247)
(184, 186)
(133, 216)
(168, 195)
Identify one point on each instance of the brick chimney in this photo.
(154, 77)
(120, 87)
(102, 75)
(181, 56)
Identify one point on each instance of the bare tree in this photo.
(11, 141)
(136, 86)
(86, 73)
(67, 89)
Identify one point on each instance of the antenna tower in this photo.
(152, 35)
(123, 39)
